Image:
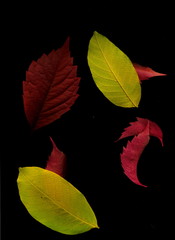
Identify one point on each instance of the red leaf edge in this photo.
(131, 155)
(138, 126)
(144, 73)
(51, 87)
(57, 161)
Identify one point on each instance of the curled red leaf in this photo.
(131, 155)
(141, 129)
(57, 161)
(51, 87)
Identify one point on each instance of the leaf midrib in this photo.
(113, 72)
(51, 81)
(58, 205)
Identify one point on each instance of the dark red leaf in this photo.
(144, 73)
(51, 87)
(57, 161)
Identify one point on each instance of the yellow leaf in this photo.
(113, 72)
(54, 202)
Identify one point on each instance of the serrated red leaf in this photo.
(131, 155)
(51, 87)
(141, 129)
(144, 73)
(138, 126)
(57, 161)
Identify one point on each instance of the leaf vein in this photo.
(58, 204)
(113, 72)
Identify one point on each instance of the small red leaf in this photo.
(51, 87)
(138, 126)
(132, 153)
(57, 161)
(144, 73)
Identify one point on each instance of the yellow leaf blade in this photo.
(113, 72)
(54, 202)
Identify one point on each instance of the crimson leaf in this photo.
(141, 129)
(51, 87)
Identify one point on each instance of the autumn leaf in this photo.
(138, 126)
(51, 87)
(54, 202)
(132, 153)
(57, 161)
(141, 129)
(113, 72)
(145, 73)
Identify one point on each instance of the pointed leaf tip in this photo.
(113, 72)
(138, 126)
(141, 129)
(131, 155)
(144, 73)
(54, 202)
(57, 161)
(51, 87)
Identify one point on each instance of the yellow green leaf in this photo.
(113, 72)
(54, 202)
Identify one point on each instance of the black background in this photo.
(86, 133)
